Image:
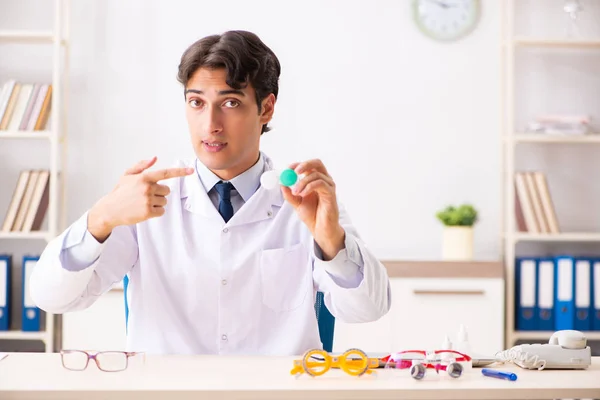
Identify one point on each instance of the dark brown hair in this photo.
(243, 55)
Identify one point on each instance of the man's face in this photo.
(224, 123)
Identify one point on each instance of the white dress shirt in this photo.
(198, 285)
(245, 184)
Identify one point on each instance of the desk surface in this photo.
(41, 376)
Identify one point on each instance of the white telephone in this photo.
(565, 350)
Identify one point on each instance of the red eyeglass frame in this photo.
(427, 363)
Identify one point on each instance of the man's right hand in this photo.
(137, 197)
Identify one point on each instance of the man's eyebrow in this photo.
(221, 93)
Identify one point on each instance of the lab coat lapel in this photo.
(263, 205)
(195, 199)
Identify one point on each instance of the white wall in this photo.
(405, 125)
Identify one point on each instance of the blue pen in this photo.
(499, 374)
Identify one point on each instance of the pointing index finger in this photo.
(168, 173)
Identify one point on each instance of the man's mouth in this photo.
(213, 146)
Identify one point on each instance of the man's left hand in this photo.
(315, 201)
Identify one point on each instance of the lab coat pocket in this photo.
(285, 277)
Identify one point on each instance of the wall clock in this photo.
(446, 20)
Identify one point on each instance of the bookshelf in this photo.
(513, 136)
(555, 43)
(25, 135)
(19, 36)
(43, 235)
(534, 138)
(55, 135)
(558, 237)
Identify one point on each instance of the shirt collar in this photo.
(245, 183)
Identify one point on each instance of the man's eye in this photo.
(195, 103)
(231, 103)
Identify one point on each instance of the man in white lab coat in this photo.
(217, 263)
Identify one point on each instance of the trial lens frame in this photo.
(316, 362)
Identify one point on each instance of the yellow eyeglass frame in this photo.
(353, 362)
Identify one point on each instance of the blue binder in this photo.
(525, 296)
(564, 300)
(595, 317)
(583, 294)
(5, 266)
(545, 293)
(31, 314)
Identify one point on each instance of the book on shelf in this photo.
(561, 124)
(25, 106)
(534, 208)
(29, 202)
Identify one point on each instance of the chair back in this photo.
(325, 320)
(326, 323)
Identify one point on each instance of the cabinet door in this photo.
(425, 310)
(371, 337)
(99, 327)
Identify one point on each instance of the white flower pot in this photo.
(457, 243)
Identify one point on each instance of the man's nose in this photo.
(213, 123)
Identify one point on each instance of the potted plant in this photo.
(458, 231)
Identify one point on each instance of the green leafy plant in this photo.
(463, 215)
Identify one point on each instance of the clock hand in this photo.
(446, 4)
(442, 3)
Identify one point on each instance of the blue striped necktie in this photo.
(225, 207)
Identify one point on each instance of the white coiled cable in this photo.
(521, 358)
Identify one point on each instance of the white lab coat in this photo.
(199, 285)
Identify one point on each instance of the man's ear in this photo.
(268, 108)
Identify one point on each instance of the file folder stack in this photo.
(31, 314)
(5, 264)
(556, 293)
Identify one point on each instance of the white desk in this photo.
(40, 376)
